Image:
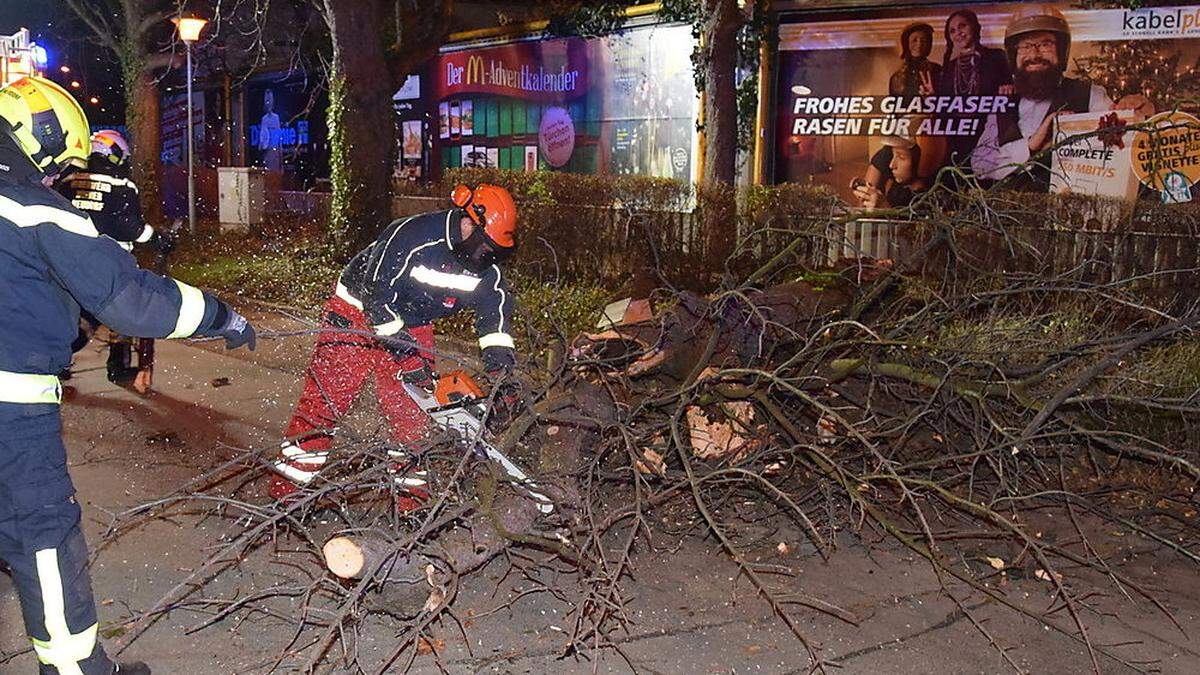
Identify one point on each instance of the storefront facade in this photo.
(623, 103)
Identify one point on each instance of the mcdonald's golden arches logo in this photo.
(474, 70)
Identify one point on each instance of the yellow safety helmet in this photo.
(46, 122)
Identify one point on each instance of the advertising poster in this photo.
(412, 150)
(278, 124)
(1166, 155)
(412, 123)
(622, 103)
(873, 104)
(412, 139)
(455, 118)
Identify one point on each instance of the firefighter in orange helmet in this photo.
(418, 270)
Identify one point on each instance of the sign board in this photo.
(556, 137)
(1094, 165)
(552, 71)
(847, 79)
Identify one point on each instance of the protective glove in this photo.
(164, 241)
(400, 345)
(166, 238)
(506, 395)
(506, 405)
(421, 376)
(236, 330)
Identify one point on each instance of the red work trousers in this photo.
(339, 368)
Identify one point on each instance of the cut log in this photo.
(350, 557)
(464, 549)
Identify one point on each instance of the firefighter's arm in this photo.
(494, 305)
(133, 227)
(391, 256)
(105, 280)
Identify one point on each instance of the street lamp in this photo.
(189, 31)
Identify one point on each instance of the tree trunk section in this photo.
(465, 549)
(721, 23)
(143, 113)
(361, 122)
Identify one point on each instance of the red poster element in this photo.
(551, 71)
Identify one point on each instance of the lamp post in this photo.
(189, 31)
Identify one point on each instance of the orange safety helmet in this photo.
(492, 208)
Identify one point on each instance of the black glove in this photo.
(401, 345)
(498, 361)
(421, 376)
(236, 330)
(166, 238)
(164, 241)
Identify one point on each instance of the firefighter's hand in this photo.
(167, 237)
(237, 331)
(420, 376)
(165, 241)
(498, 361)
(400, 345)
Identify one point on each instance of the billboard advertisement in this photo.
(282, 128)
(1039, 97)
(622, 103)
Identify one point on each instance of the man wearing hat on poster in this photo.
(1038, 43)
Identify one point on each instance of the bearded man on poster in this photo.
(1038, 43)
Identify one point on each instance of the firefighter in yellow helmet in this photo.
(52, 262)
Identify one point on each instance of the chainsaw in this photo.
(457, 405)
(121, 369)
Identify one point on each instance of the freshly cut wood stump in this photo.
(351, 557)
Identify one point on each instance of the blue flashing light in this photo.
(40, 57)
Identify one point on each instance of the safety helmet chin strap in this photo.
(42, 161)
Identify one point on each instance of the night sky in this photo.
(65, 38)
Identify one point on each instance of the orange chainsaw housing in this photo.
(456, 385)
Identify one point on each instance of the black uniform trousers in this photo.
(42, 544)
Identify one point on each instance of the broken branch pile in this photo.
(946, 411)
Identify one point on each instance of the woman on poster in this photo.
(969, 69)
